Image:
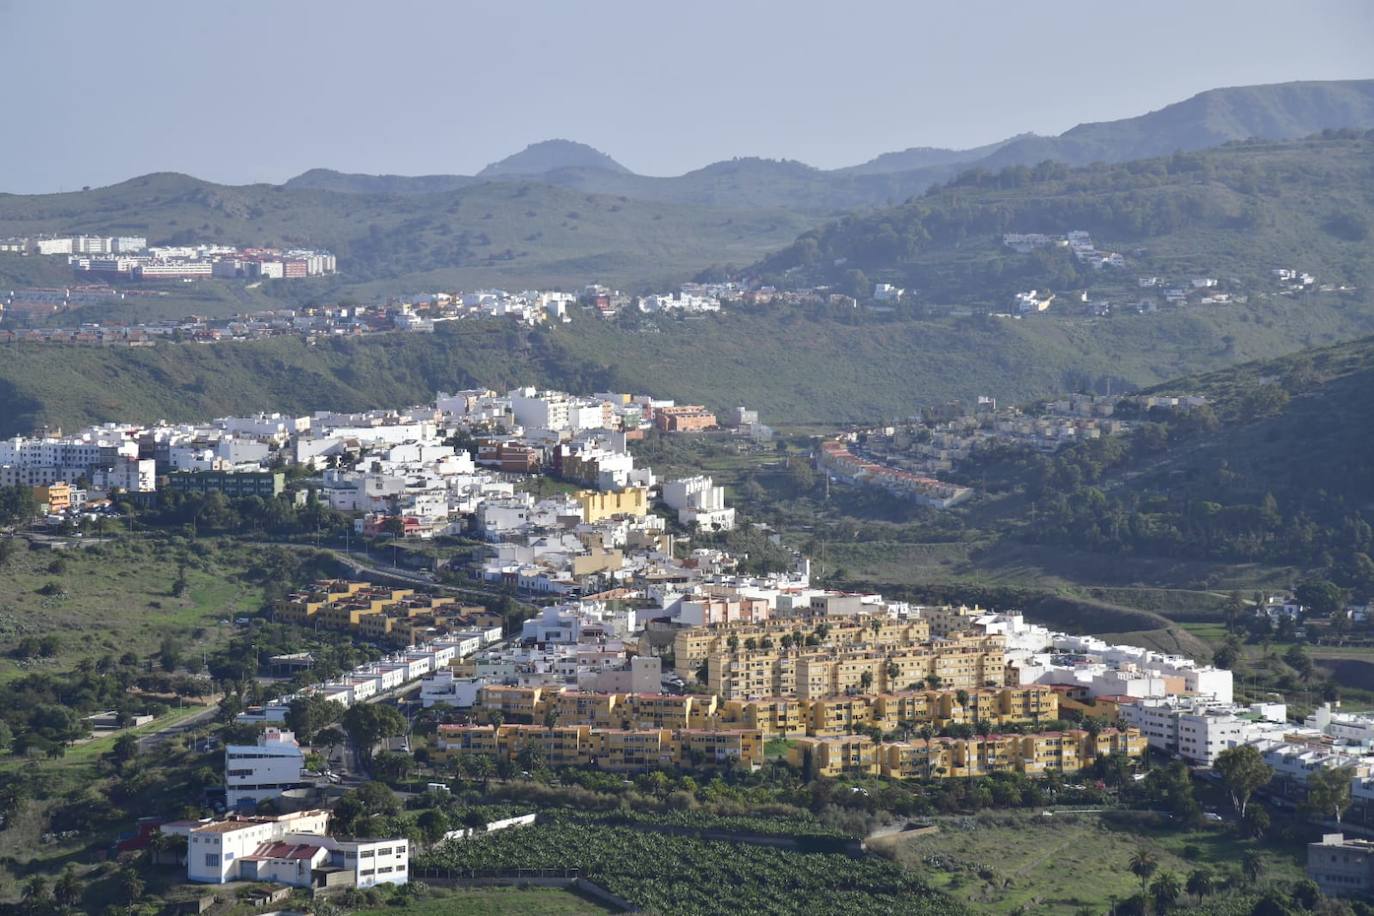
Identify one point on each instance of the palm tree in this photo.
(67, 891)
(131, 884)
(1166, 890)
(1200, 883)
(36, 889)
(1144, 864)
(1252, 864)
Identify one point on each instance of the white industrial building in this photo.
(292, 849)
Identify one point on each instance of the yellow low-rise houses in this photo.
(936, 758)
(376, 613)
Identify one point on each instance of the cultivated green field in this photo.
(478, 901)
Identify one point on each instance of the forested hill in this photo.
(1275, 469)
(1239, 210)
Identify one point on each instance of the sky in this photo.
(258, 92)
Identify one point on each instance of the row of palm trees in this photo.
(1165, 889)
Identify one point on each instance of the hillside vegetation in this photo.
(797, 367)
(1274, 471)
(510, 233)
(1234, 212)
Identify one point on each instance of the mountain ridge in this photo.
(1276, 111)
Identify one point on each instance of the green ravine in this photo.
(796, 369)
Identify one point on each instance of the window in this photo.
(212, 860)
(366, 853)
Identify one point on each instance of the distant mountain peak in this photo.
(550, 156)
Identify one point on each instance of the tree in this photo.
(1328, 792)
(433, 824)
(368, 723)
(1320, 596)
(308, 714)
(1297, 659)
(1228, 654)
(1256, 821)
(1252, 865)
(36, 891)
(330, 738)
(169, 656)
(125, 750)
(1242, 771)
(392, 766)
(1200, 883)
(131, 883)
(1144, 863)
(67, 891)
(1165, 889)
(17, 504)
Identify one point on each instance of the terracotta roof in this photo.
(285, 851)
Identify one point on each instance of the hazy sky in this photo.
(99, 92)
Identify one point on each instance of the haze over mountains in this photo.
(563, 213)
(1272, 112)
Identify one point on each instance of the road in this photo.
(157, 738)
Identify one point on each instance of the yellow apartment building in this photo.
(693, 645)
(610, 503)
(774, 717)
(842, 755)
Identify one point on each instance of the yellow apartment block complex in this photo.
(961, 661)
(774, 717)
(936, 758)
(613, 749)
(693, 645)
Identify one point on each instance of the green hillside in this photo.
(509, 233)
(797, 367)
(1280, 111)
(1276, 471)
(1233, 212)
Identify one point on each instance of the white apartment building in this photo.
(699, 502)
(443, 688)
(257, 772)
(132, 475)
(535, 409)
(1198, 729)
